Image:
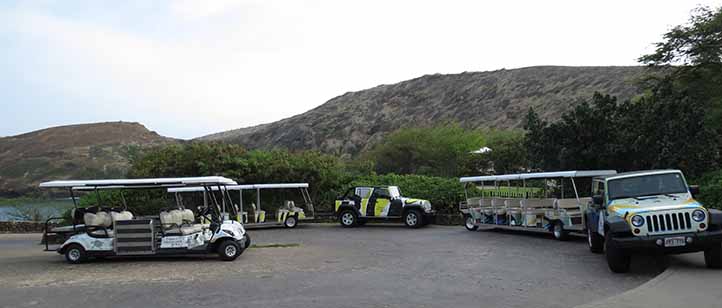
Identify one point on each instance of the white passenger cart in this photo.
(287, 214)
(543, 201)
(101, 231)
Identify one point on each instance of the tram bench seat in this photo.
(569, 206)
(179, 222)
(185, 230)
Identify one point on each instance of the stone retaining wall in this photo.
(21, 227)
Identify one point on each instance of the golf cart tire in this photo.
(75, 254)
(419, 219)
(229, 250)
(290, 222)
(470, 225)
(248, 241)
(713, 257)
(595, 241)
(559, 232)
(353, 217)
(617, 260)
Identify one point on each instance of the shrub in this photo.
(443, 193)
(710, 186)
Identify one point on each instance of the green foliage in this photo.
(710, 186)
(140, 202)
(443, 193)
(655, 132)
(434, 151)
(508, 154)
(446, 151)
(695, 50)
(324, 173)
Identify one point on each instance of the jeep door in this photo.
(363, 196)
(595, 221)
(378, 205)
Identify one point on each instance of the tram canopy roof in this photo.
(537, 175)
(140, 183)
(242, 187)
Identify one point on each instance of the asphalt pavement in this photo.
(325, 265)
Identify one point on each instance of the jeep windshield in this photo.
(646, 185)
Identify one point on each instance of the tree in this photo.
(436, 151)
(692, 56)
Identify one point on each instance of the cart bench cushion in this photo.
(185, 230)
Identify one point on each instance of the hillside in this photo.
(353, 122)
(98, 150)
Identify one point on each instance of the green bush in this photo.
(710, 186)
(324, 173)
(443, 193)
(433, 151)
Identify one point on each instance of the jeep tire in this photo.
(413, 219)
(617, 260)
(595, 241)
(713, 257)
(348, 219)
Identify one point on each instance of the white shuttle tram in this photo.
(287, 214)
(101, 231)
(530, 201)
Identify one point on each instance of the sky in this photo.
(188, 68)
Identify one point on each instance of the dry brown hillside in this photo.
(98, 150)
(351, 123)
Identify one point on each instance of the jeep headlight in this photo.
(698, 215)
(426, 205)
(637, 221)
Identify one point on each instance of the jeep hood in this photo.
(631, 206)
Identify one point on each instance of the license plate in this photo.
(675, 241)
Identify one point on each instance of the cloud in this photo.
(198, 9)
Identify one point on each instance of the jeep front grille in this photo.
(669, 222)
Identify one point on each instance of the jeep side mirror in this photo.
(598, 200)
(694, 190)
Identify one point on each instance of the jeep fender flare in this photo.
(715, 218)
(410, 207)
(616, 225)
(347, 206)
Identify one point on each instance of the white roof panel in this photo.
(537, 175)
(242, 187)
(139, 183)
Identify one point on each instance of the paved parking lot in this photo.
(329, 266)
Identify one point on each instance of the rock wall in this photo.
(21, 227)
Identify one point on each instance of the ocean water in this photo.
(47, 208)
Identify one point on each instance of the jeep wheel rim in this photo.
(290, 221)
(347, 219)
(557, 231)
(231, 250)
(74, 254)
(411, 219)
(469, 222)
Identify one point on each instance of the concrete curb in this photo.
(686, 283)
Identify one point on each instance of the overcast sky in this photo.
(189, 68)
